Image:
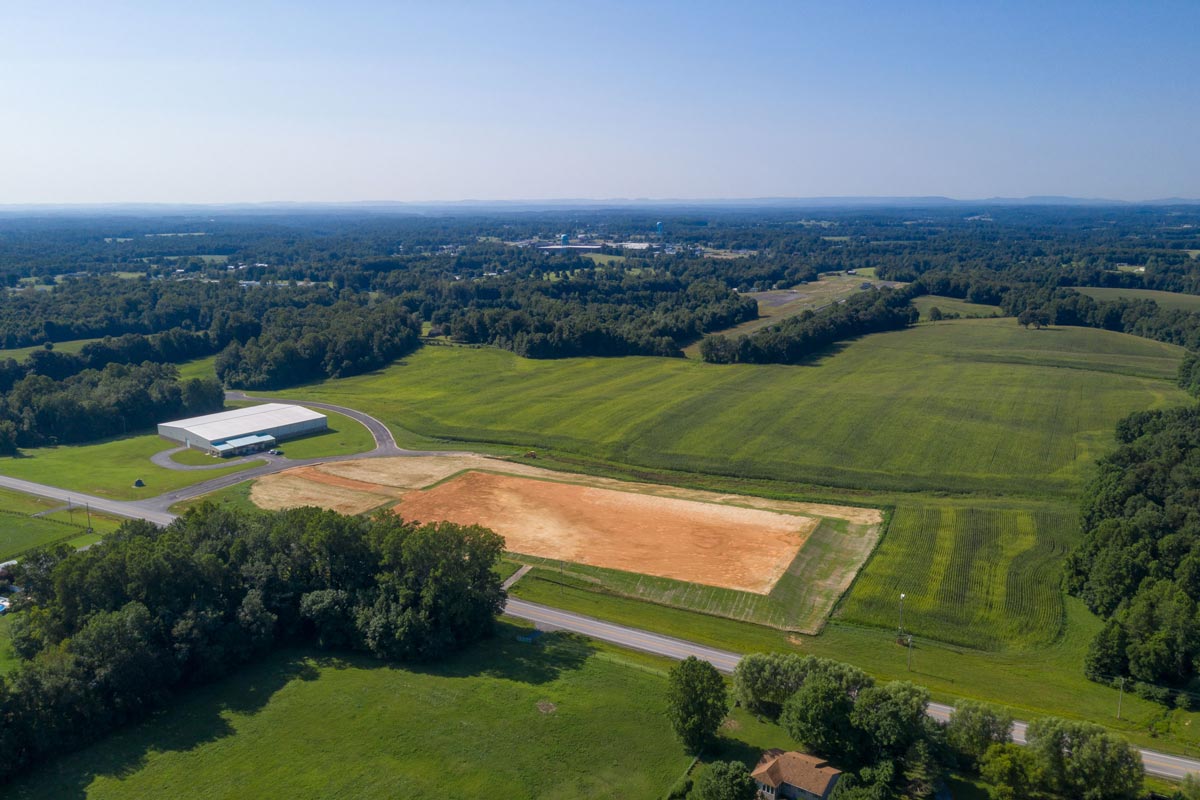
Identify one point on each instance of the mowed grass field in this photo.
(1171, 300)
(949, 305)
(21, 531)
(21, 353)
(108, 468)
(777, 305)
(961, 406)
(981, 577)
(559, 718)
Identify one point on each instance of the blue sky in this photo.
(249, 101)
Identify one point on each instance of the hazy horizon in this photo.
(230, 103)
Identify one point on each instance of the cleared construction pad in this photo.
(717, 545)
(774, 562)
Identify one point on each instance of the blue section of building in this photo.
(244, 444)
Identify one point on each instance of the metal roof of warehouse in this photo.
(242, 421)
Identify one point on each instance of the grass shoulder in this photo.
(108, 468)
(1046, 681)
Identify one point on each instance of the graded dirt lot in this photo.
(716, 545)
(721, 540)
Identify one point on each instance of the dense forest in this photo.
(94, 404)
(108, 634)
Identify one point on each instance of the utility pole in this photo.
(901, 629)
(910, 654)
(87, 507)
(70, 511)
(1120, 697)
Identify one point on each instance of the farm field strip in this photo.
(980, 578)
(953, 305)
(961, 406)
(1171, 300)
(776, 305)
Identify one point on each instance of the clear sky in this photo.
(339, 101)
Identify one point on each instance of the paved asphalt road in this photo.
(1160, 765)
(155, 510)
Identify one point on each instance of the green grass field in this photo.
(198, 368)
(797, 602)
(108, 468)
(1170, 300)
(954, 305)
(985, 578)
(344, 437)
(8, 659)
(604, 258)
(777, 305)
(560, 718)
(21, 353)
(964, 406)
(20, 531)
(195, 458)
(234, 497)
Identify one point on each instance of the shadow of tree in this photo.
(199, 716)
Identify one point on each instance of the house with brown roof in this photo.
(794, 776)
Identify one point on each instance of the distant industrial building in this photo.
(244, 430)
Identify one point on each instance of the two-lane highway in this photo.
(1160, 765)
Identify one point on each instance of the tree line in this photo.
(107, 635)
(38, 410)
(296, 345)
(1138, 565)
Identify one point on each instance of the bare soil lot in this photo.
(728, 541)
(707, 543)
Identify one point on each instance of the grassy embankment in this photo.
(560, 718)
(1170, 300)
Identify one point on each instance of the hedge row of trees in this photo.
(94, 404)
(881, 735)
(298, 345)
(169, 347)
(109, 634)
(800, 337)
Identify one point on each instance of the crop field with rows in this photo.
(985, 578)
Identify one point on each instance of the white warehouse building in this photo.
(244, 430)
